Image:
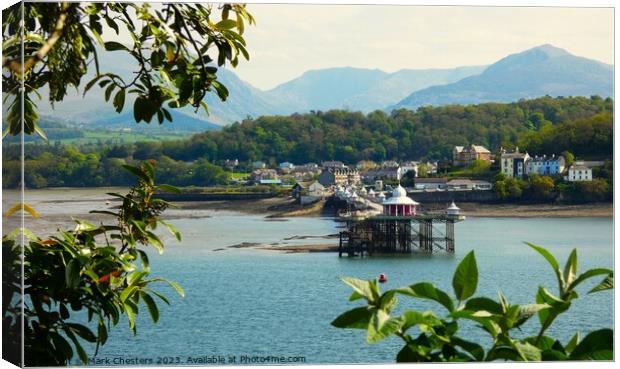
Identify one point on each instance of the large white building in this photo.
(577, 173)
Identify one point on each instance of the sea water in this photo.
(249, 304)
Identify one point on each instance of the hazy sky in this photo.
(291, 39)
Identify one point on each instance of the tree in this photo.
(422, 170)
(408, 180)
(541, 187)
(176, 48)
(171, 44)
(72, 272)
(569, 158)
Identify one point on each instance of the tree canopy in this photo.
(172, 44)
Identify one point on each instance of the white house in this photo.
(316, 189)
(578, 173)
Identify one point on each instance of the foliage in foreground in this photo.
(430, 337)
(97, 270)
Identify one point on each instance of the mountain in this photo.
(543, 70)
(359, 89)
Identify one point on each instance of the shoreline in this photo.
(285, 207)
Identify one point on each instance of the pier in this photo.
(399, 229)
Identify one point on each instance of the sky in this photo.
(291, 39)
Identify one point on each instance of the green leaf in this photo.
(102, 332)
(72, 273)
(483, 317)
(570, 269)
(64, 312)
(355, 296)
(474, 349)
(169, 188)
(413, 318)
(108, 92)
(365, 288)
(587, 275)
(387, 301)
(137, 172)
(483, 303)
(597, 345)
(40, 132)
(525, 312)
(145, 259)
(527, 351)
(357, 318)
(172, 229)
(127, 292)
(119, 100)
(151, 306)
(82, 331)
(606, 284)
(114, 46)
(574, 341)
(80, 350)
(61, 345)
(161, 297)
(552, 261)
(465, 280)
(131, 309)
(381, 326)
(426, 290)
(226, 24)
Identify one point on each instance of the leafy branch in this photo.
(438, 339)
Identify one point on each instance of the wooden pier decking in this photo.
(383, 234)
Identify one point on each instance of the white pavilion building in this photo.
(400, 204)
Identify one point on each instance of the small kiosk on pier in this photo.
(400, 229)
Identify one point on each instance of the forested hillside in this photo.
(404, 135)
(583, 126)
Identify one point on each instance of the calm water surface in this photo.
(253, 302)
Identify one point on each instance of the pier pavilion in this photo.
(400, 229)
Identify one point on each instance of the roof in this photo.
(580, 167)
(514, 155)
(431, 180)
(479, 148)
(399, 197)
(270, 181)
(464, 181)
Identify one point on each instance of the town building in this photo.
(399, 204)
(230, 164)
(578, 173)
(264, 174)
(468, 184)
(545, 165)
(333, 165)
(392, 173)
(431, 183)
(409, 166)
(286, 167)
(467, 155)
(339, 177)
(259, 165)
(389, 164)
(514, 164)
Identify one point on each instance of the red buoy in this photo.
(382, 278)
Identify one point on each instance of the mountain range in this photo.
(543, 70)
